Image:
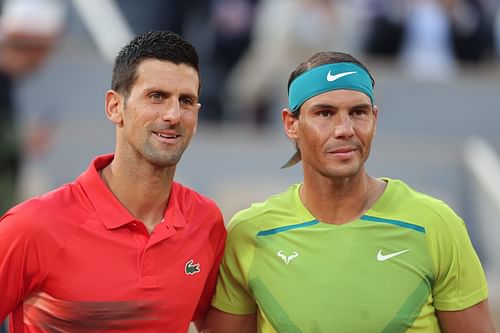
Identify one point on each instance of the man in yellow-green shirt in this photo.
(344, 251)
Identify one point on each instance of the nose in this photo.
(343, 126)
(172, 112)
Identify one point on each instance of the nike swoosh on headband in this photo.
(332, 77)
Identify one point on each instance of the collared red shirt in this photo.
(75, 259)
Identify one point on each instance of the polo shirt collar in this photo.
(173, 214)
(109, 209)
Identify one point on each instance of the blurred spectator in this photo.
(229, 25)
(285, 31)
(496, 30)
(29, 30)
(431, 36)
(147, 15)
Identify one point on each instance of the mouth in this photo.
(167, 137)
(343, 152)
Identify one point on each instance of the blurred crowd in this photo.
(248, 47)
(29, 32)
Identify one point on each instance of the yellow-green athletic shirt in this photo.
(387, 271)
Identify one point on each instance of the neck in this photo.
(143, 192)
(339, 201)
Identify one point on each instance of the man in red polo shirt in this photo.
(124, 247)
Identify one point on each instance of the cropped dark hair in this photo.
(323, 58)
(160, 45)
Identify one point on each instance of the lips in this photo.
(342, 152)
(170, 137)
(167, 135)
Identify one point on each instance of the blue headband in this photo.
(342, 75)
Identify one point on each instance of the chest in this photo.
(108, 269)
(371, 275)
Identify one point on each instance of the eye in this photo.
(156, 96)
(325, 113)
(188, 101)
(359, 112)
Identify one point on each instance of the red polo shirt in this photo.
(77, 260)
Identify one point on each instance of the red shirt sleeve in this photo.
(22, 260)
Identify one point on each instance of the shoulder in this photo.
(192, 203)
(33, 232)
(422, 208)
(44, 213)
(187, 197)
(271, 213)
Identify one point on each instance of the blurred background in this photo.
(436, 64)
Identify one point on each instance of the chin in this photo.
(163, 160)
(168, 162)
(342, 172)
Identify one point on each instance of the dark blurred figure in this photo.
(148, 15)
(230, 23)
(29, 31)
(221, 30)
(443, 32)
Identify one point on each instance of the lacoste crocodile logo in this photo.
(191, 268)
(286, 258)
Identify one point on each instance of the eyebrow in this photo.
(334, 107)
(155, 89)
(362, 106)
(168, 93)
(323, 106)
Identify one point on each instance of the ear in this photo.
(114, 106)
(198, 109)
(290, 122)
(375, 115)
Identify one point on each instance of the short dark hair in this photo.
(323, 58)
(161, 45)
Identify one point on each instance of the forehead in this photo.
(338, 98)
(166, 75)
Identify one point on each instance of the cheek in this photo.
(190, 119)
(366, 136)
(143, 114)
(134, 121)
(315, 132)
(308, 140)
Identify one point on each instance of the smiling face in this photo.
(333, 132)
(158, 118)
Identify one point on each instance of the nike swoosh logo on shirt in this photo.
(332, 77)
(384, 257)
